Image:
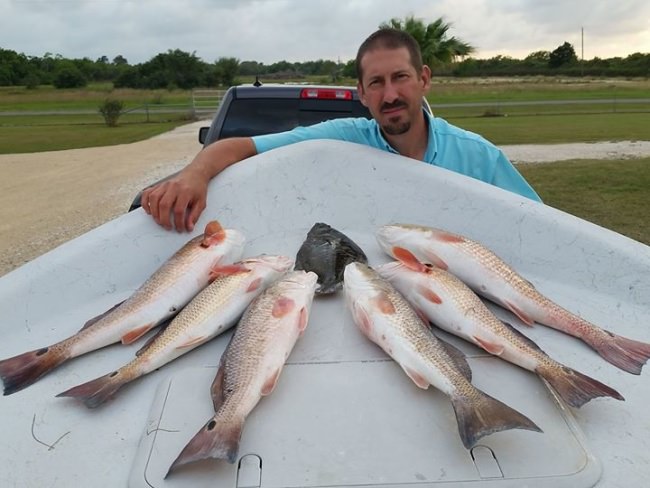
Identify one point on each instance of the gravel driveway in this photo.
(49, 198)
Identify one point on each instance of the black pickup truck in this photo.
(257, 109)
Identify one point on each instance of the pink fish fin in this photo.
(25, 369)
(383, 303)
(626, 354)
(435, 259)
(446, 236)
(423, 316)
(417, 378)
(271, 381)
(159, 331)
(254, 286)
(216, 390)
(94, 393)
(520, 314)
(576, 388)
(429, 295)
(193, 342)
(217, 439)
(303, 318)
(362, 319)
(481, 415)
(217, 271)
(96, 319)
(214, 234)
(282, 306)
(135, 334)
(490, 347)
(457, 358)
(408, 259)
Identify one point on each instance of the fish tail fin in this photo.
(576, 388)
(25, 369)
(97, 391)
(626, 354)
(219, 440)
(484, 415)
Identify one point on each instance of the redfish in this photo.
(251, 365)
(489, 276)
(214, 310)
(161, 296)
(451, 305)
(387, 319)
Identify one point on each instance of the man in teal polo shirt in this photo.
(391, 82)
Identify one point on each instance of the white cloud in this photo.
(300, 30)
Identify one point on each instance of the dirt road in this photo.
(49, 198)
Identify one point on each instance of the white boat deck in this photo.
(342, 414)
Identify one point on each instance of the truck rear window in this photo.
(247, 118)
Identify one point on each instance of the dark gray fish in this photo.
(327, 252)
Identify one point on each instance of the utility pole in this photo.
(582, 51)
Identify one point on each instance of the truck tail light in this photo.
(329, 93)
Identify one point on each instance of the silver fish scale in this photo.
(579, 326)
(246, 353)
(415, 332)
(206, 304)
(472, 306)
(168, 273)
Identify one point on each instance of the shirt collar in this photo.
(429, 154)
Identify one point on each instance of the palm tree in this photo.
(437, 49)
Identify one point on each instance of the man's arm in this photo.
(184, 196)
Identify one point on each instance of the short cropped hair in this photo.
(389, 38)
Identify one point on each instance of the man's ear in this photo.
(426, 77)
(362, 94)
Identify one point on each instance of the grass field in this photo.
(612, 194)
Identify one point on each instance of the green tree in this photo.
(564, 54)
(226, 70)
(437, 48)
(67, 75)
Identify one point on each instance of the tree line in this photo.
(445, 54)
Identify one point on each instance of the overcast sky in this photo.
(301, 30)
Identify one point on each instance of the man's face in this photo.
(392, 89)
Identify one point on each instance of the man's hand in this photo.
(184, 196)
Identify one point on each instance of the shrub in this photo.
(111, 110)
(69, 77)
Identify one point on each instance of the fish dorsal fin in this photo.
(524, 338)
(269, 384)
(383, 303)
(408, 259)
(282, 306)
(417, 378)
(458, 358)
(214, 234)
(161, 328)
(96, 319)
(429, 295)
(217, 387)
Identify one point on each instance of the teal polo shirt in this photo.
(449, 147)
